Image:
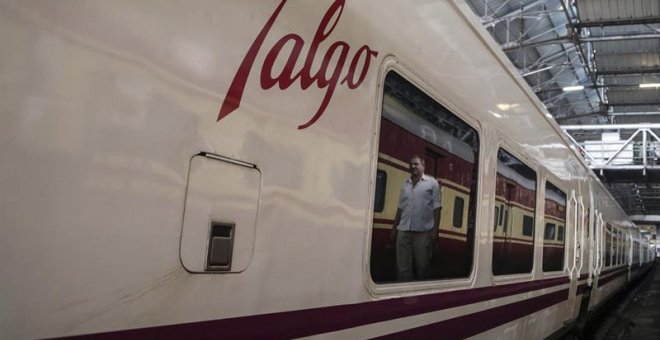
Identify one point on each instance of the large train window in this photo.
(555, 217)
(513, 245)
(418, 133)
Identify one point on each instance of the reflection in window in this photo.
(528, 226)
(497, 211)
(549, 231)
(618, 247)
(555, 215)
(608, 245)
(513, 245)
(458, 212)
(381, 186)
(412, 123)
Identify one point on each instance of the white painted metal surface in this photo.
(103, 104)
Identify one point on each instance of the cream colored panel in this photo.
(224, 191)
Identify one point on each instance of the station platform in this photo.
(634, 315)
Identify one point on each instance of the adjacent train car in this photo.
(231, 169)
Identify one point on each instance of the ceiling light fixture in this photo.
(573, 88)
(649, 85)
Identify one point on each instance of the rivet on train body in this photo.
(288, 76)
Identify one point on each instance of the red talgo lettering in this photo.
(327, 77)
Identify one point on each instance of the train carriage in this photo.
(231, 169)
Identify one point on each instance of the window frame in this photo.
(510, 147)
(393, 64)
(560, 228)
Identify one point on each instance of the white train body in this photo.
(128, 127)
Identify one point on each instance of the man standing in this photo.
(417, 222)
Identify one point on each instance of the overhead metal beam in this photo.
(508, 47)
(611, 127)
(643, 70)
(633, 103)
(493, 18)
(574, 33)
(645, 218)
(647, 113)
(586, 114)
(619, 22)
(551, 89)
(569, 39)
(621, 37)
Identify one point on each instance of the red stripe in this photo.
(442, 231)
(581, 288)
(448, 232)
(611, 270)
(383, 221)
(605, 280)
(473, 324)
(513, 239)
(300, 323)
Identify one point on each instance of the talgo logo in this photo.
(327, 77)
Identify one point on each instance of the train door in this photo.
(573, 233)
(431, 164)
(581, 251)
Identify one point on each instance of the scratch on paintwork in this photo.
(130, 296)
(72, 304)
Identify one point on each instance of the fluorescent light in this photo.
(649, 85)
(573, 88)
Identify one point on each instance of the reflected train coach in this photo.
(232, 169)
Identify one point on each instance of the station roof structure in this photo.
(595, 65)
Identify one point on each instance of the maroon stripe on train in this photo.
(513, 239)
(442, 231)
(383, 221)
(611, 270)
(583, 276)
(473, 324)
(448, 185)
(602, 282)
(581, 288)
(454, 233)
(299, 323)
(400, 144)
